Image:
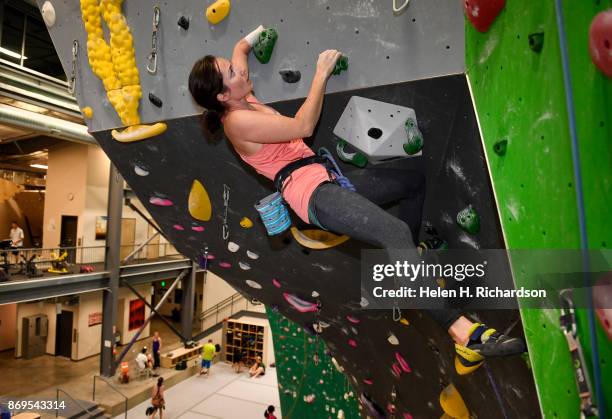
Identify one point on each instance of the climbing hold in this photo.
(452, 403)
(160, 202)
(218, 11)
(155, 100)
(252, 255)
(404, 321)
(338, 367)
(364, 302)
(317, 239)
(402, 362)
(87, 112)
(310, 398)
(602, 302)
(246, 222)
(265, 44)
(178, 227)
(375, 133)
(290, 76)
(374, 409)
(183, 22)
(391, 407)
(352, 343)
(233, 247)
(225, 265)
(392, 339)
(199, 229)
(396, 370)
(341, 65)
(368, 381)
(244, 266)
(600, 41)
(141, 171)
(536, 41)
(276, 283)
(415, 138)
(357, 159)
(314, 294)
(138, 132)
(500, 147)
(300, 305)
(253, 284)
(199, 204)
(407, 415)
(482, 13)
(48, 14)
(352, 319)
(469, 220)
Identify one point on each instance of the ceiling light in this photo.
(11, 53)
(39, 166)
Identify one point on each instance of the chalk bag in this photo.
(274, 214)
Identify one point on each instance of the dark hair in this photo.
(160, 381)
(269, 410)
(205, 83)
(144, 350)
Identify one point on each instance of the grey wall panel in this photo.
(427, 40)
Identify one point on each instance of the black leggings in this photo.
(359, 216)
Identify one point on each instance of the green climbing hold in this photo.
(265, 44)
(469, 220)
(415, 138)
(357, 159)
(536, 41)
(341, 65)
(500, 147)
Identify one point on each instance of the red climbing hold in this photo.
(482, 13)
(600, 41)
(602, 301)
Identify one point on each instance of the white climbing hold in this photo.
(244, 266)
(340, 414)
(315, 294)
(253, 284)
(48, 14)
(323, 324)
(140, 171)
(252, 255)
(393, 340)
(364, 303)
(232, 247)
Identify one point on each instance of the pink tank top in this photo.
(298, 188)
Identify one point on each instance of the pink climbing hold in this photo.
(300, 305)
(352, 343)
(353, 319)
(210, 256)
(396, 370)
(161, 202)
(482, 13)
(276, 283)
(178, 227)
(602, 302)
(407, 415)
(600, 41)
(199, 229)
(402, 362)
(225, 265)
(391, 408)
(368, 381)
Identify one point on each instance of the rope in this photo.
(342, 180)
(569, 98)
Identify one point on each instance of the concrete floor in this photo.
(222, 395)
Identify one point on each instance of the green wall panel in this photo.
(520, 97)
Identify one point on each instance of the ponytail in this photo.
(205, 83)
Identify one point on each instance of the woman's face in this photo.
(237, 84)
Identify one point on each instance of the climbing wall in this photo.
(310, 385)
(520, 98)
(198, 190)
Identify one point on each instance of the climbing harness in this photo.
(342, 180)
(152, 59)
(401, 8)
(75, 55)
(567, 321)
(226, 197)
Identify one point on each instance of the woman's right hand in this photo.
(327, 61)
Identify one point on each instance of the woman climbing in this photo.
(273, 145)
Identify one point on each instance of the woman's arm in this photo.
(259, 127)
(240, 57)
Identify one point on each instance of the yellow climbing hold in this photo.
(114, 64)
(87, 112)
(218, 11)
(404, 321)
(317, 239)
(138, 132)
(199, 202)
(246, 222)
(441, 282)
(452, 403)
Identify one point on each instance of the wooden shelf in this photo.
(245, 337)
(170, 359)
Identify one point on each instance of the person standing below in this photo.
(157, 344)
(269, 413)
(157, 398)
(238, 359)
(16, 236)
(208, 353)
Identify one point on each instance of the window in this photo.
(137, 314)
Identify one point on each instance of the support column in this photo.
(111, 264)
(188, 303)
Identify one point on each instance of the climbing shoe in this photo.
(484, 343)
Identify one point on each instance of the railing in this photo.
(114, 388)
(82, 255)
(84, 409)
(228, 302)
